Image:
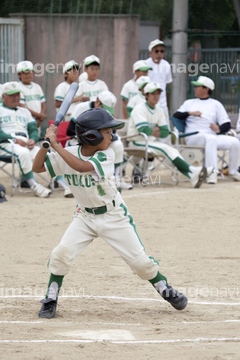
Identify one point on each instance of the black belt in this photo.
(20, 134)
(99, 210)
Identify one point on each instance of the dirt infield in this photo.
(106, 312)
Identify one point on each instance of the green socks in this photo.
(54, 286)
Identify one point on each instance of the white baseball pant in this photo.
(212, 144)
(23, 155)
(117, 228)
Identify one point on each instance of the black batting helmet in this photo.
(90, 122)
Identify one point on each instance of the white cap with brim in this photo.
(141, 65)
(91, 59)
(69, 65)
(108, 100)
(155, 43)
(24, 66)
(204, 81)
(10, 88)
(151, 87)
(142, 81)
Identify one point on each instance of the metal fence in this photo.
(11, 47)
(222, 65)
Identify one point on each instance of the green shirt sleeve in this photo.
(4, 136)
(33, 131)
(146, 130)
(164, 131)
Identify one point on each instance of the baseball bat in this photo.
(63, 109)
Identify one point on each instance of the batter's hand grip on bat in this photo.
(63, 109)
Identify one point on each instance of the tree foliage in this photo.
(211, 14)
(204, 15)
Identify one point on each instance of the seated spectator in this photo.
(18, 126)
(150, 119)
(32, 96)
(209, 117)
(130, 88)
(107, 101)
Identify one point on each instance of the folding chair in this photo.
(9, 166)
(5, 161)
(139, 160)
(194, 155)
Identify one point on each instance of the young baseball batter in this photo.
(88, 168)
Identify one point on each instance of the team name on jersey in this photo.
(32, 97)
(132, 93)
(8, 119)
(83, 181)
(92, 93)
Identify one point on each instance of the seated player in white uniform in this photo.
(150, 119)
(209, 117)
(19, 127)
(101, 211)
(106, 100)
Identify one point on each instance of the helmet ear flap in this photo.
(90, 137)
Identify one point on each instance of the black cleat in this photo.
(175, 298)
(25, 184)
(48, 309)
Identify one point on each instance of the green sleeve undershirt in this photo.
(164, 131)
(33, 131)
(4, 136)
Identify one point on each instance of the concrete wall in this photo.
(57, 39)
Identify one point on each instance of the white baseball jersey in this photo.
(135, 100)
(15, 121)
(162, 74)
(32, 95)
(212, 112)
(91, 189)
(129, 90)
(92, 88)
(60, 93)
(144, 115)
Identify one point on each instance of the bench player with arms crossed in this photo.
(101, 212)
